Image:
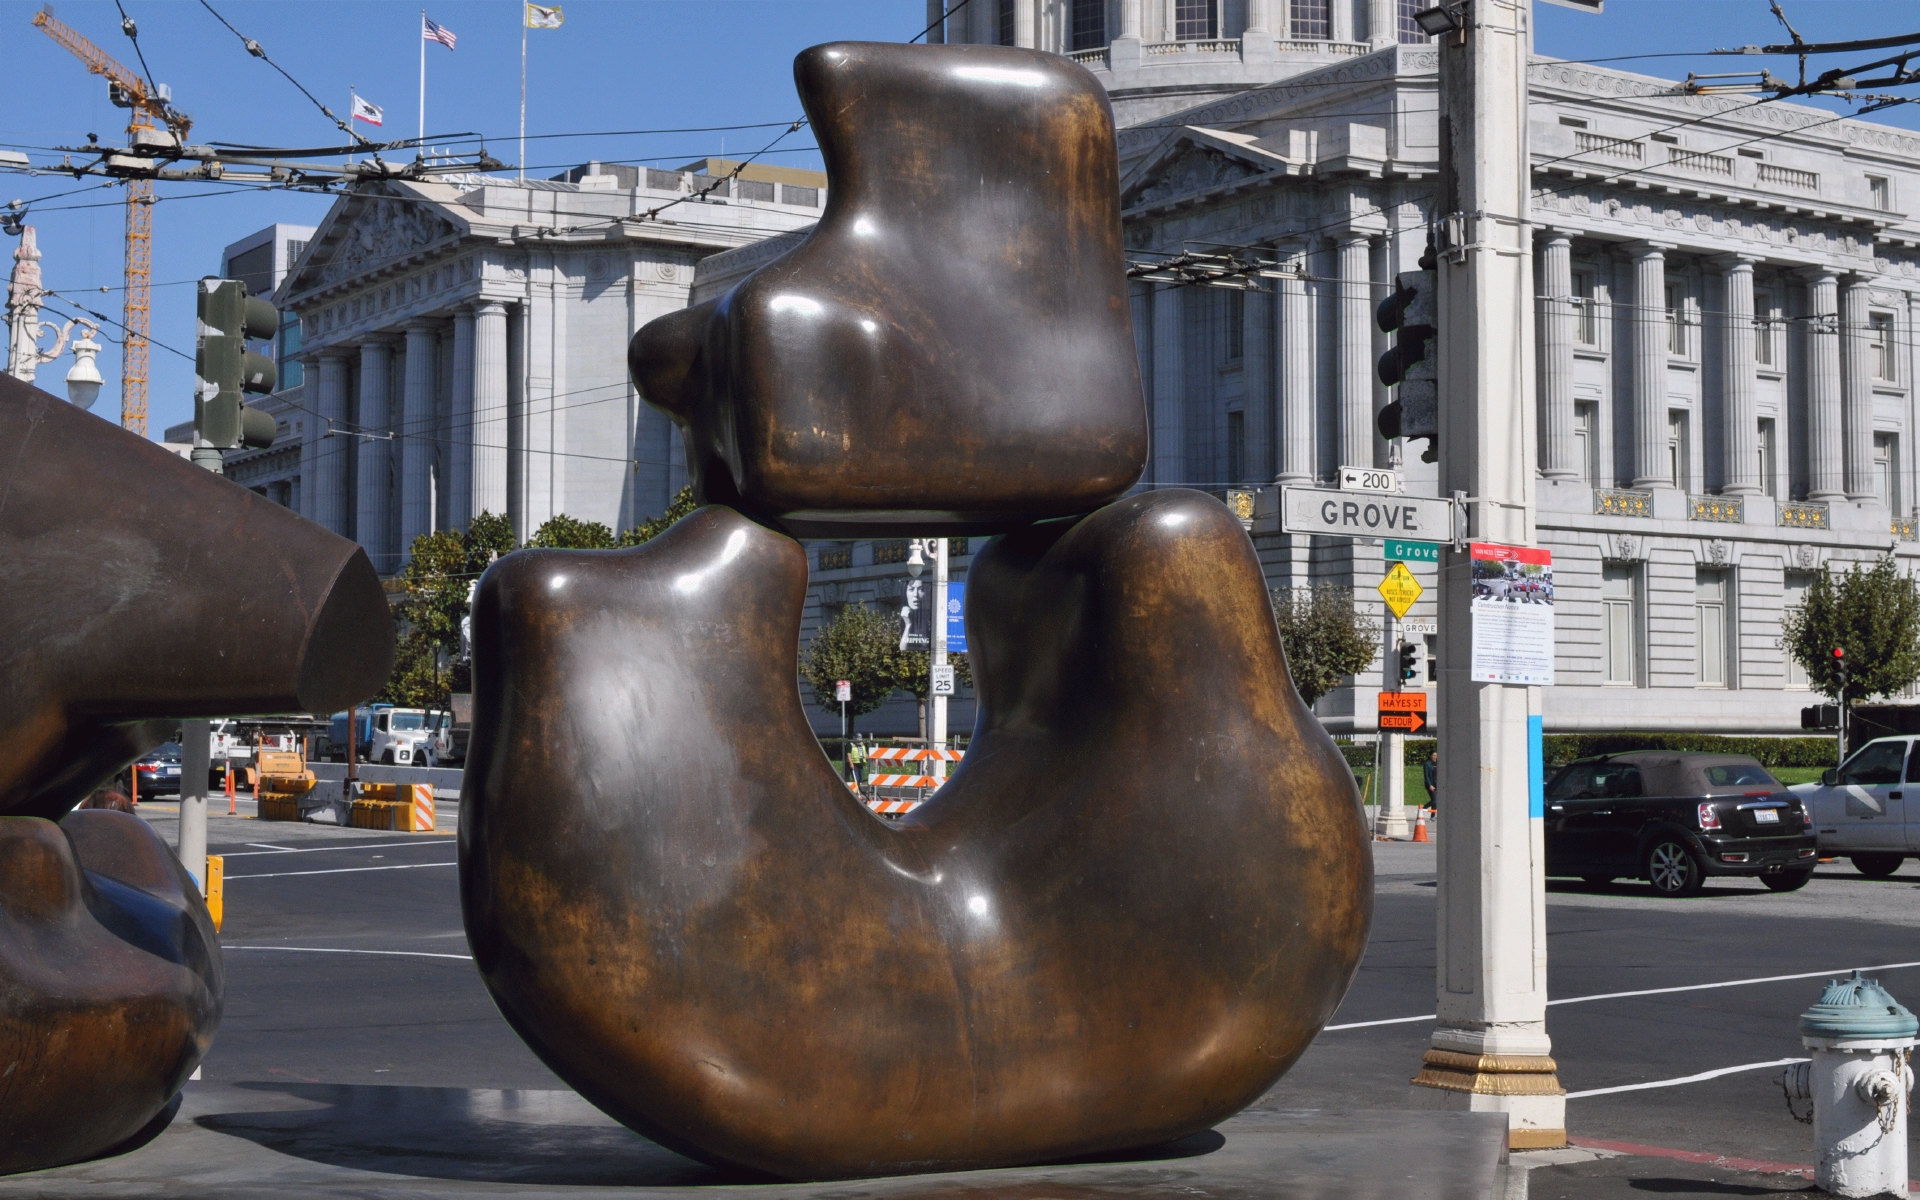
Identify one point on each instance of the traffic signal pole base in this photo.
(1525, 1087)
(1392, 821)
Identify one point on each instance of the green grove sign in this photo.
(1422, 552)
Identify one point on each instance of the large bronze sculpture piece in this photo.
(135, 589)
(1145, 889)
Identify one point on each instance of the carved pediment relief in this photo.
(1195, 169)
(380, 234)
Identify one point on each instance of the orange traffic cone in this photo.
(231, 810)
(1420, 827)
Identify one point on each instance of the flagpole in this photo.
(523, 94)
(350, 94)
(423, 83)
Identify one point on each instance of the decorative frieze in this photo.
(1611, 502)
(1800, 515)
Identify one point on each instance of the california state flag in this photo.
(367, 111)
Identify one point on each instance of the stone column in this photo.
(1130, 19)
(1023, 23)
(488, 436)
(1650, 366)
(416, 437)
(1295, 376)
(1856, 373)
(1740, 440)
(374, 472)
(1825, 478)
(1558, 452)
(1169, 419)
(1258, 20)
(311, 429)
(1383, 25)
(1256, 339)
(460, 425)
(1356, 374)
(1340, 21)
(936, 10)
(328, 484)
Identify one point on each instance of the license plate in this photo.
(173, 770)
(1766, 816)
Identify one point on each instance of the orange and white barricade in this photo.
(908, 791)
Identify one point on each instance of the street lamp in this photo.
(83, 378)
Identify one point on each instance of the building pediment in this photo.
(1192, 161)
(366, 234)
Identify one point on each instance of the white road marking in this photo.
(1691, 987)
(341, 871)
(325, 950)
(1661, 1083)
(318, 849)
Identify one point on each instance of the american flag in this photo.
(432, 32)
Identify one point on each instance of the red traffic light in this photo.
(1839, 653)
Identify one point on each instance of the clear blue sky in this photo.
(639, 64)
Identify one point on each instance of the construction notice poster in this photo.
(1512, 614)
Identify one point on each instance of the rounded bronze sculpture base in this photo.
(110, 986)
(1127, 914)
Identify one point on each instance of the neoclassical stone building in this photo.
(462, 345)
(1725, 324)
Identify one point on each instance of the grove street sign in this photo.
(1396, 550)
(1365, 515)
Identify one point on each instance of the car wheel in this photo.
(1597, 880)
(1877, 866)
(1672, 869)
(1787, 881)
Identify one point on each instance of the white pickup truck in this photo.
(1868, 809)
(400, 737)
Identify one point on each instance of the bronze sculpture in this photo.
(136, 589)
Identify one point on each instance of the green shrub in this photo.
(1770, 751)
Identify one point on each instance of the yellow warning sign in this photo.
(1400, 589)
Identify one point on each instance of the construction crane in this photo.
(128, 90)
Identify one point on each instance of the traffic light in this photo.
(1410, 367)
(227, 370)
(1409, 661)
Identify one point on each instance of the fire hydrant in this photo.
(1860, 1082)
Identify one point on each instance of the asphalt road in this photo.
(346, 965)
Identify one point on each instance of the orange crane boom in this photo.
(132, 93)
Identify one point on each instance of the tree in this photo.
(1325, 637)
(1872, 614)
(913, 672)
(435, 588)
(646, 531)
(858, 645)
(562, 532)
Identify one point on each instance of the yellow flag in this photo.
(544, 16)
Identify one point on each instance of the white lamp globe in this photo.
(83, 378)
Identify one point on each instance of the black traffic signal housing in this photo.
(227, 371)
(1820, 716)
(1411, 367)
(1409, 661)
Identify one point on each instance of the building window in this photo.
(1768, 459)
(1236, 447)
(1409, 32)
(1089, 24)
(1309, 21)
(1677, 457)
(1886, 360)
(1710, 627)
(1676, 320)
(1879, 193)
(1763, 330)
(1794, 593)
(1586, 441)
(1619, 623)
(1886, 482)
(1195, 20)
(1236, 330)
(1433, 657)
(1586, 316)
(1005, 32)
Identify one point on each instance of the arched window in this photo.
(1409, 32)
(1089, 25)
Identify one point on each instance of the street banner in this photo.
(916, 616)
(1512, 614)
(956, 618)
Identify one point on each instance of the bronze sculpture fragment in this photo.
(1121, 921)
(951, 349)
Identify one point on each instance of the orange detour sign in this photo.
(1402, 712)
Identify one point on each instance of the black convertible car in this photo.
(1674, 820)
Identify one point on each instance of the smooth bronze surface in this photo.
(951, 349)
(137, 589)
(110, 986)
(1132, 908)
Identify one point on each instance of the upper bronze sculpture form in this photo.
(135, 589)
(951, 350)
(136, 586)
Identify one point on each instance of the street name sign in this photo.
(1364, 515)
(1370, 479)
(1403, 712)
(1400, 589)
(1420, 552)
(1424, 626)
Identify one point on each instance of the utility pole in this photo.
(1490, 1051)
(942, 681)
(1390, 779)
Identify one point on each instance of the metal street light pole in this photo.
(940, 667)
(1490, 1051)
